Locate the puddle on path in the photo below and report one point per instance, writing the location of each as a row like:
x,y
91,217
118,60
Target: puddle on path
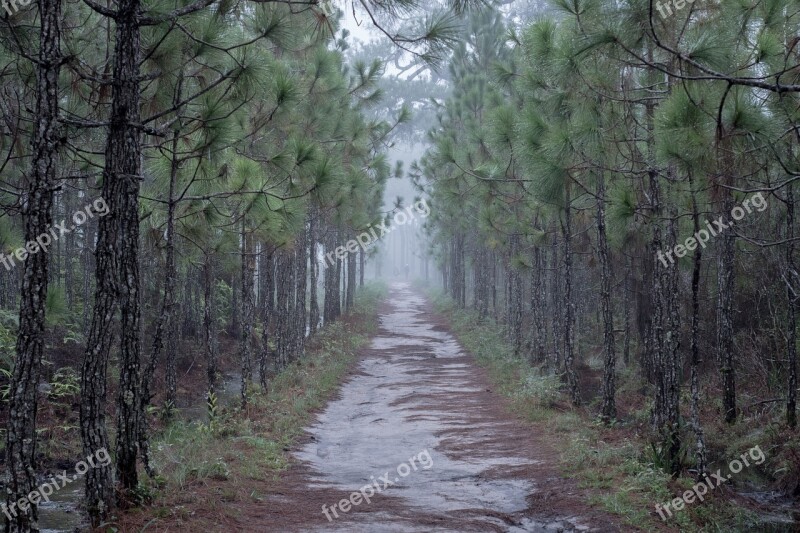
x,y
62,513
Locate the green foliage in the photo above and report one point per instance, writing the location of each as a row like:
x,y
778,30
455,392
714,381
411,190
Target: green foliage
x,y
167,411
212,413
57,312
8,340
188,451
65,383
5,389
223,294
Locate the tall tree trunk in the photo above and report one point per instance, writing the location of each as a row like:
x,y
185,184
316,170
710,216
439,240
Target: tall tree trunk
x,y
626,305
697,428
555,304
538,300
351,280
165,323
290,329
726,286
245,348
267,311
302,288
117,276
481,296
235,319
123,161
69,246
336,303
167,314
609,409
361,266
283,309
569,312
517,292
209,324
38,217
791,279
665,337
331,284
313,317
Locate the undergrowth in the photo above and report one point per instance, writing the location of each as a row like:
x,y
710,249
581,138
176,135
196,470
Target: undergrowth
x,y
615,464
239,445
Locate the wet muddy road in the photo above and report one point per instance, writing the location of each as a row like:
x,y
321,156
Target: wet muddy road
x,y
418,441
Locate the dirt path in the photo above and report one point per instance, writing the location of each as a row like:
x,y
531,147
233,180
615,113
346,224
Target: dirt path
x,y
418,431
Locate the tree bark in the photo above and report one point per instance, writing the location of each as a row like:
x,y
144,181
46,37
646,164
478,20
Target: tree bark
x,y
38,217
313,318
700,444
209,323
791,319
267,299
350,293
117,278
245,348
609,409
123,163
569,312
726,287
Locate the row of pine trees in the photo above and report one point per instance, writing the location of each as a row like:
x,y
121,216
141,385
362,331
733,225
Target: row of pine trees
x,y
233,146
575,149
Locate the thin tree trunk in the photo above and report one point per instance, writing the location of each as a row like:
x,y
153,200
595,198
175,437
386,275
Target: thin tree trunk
x,y
165,323
283,309
361,265
302,289
726,286
626,305
123,161
700,445
314,267
569,314
791,319
555,290
609,409
351,281
337,287
38,216
209,324
267,298
245,349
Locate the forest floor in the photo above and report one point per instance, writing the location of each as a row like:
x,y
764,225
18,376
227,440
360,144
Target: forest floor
x,y
618,464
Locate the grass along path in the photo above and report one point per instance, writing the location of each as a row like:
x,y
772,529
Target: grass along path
x,y
207,471
616,463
